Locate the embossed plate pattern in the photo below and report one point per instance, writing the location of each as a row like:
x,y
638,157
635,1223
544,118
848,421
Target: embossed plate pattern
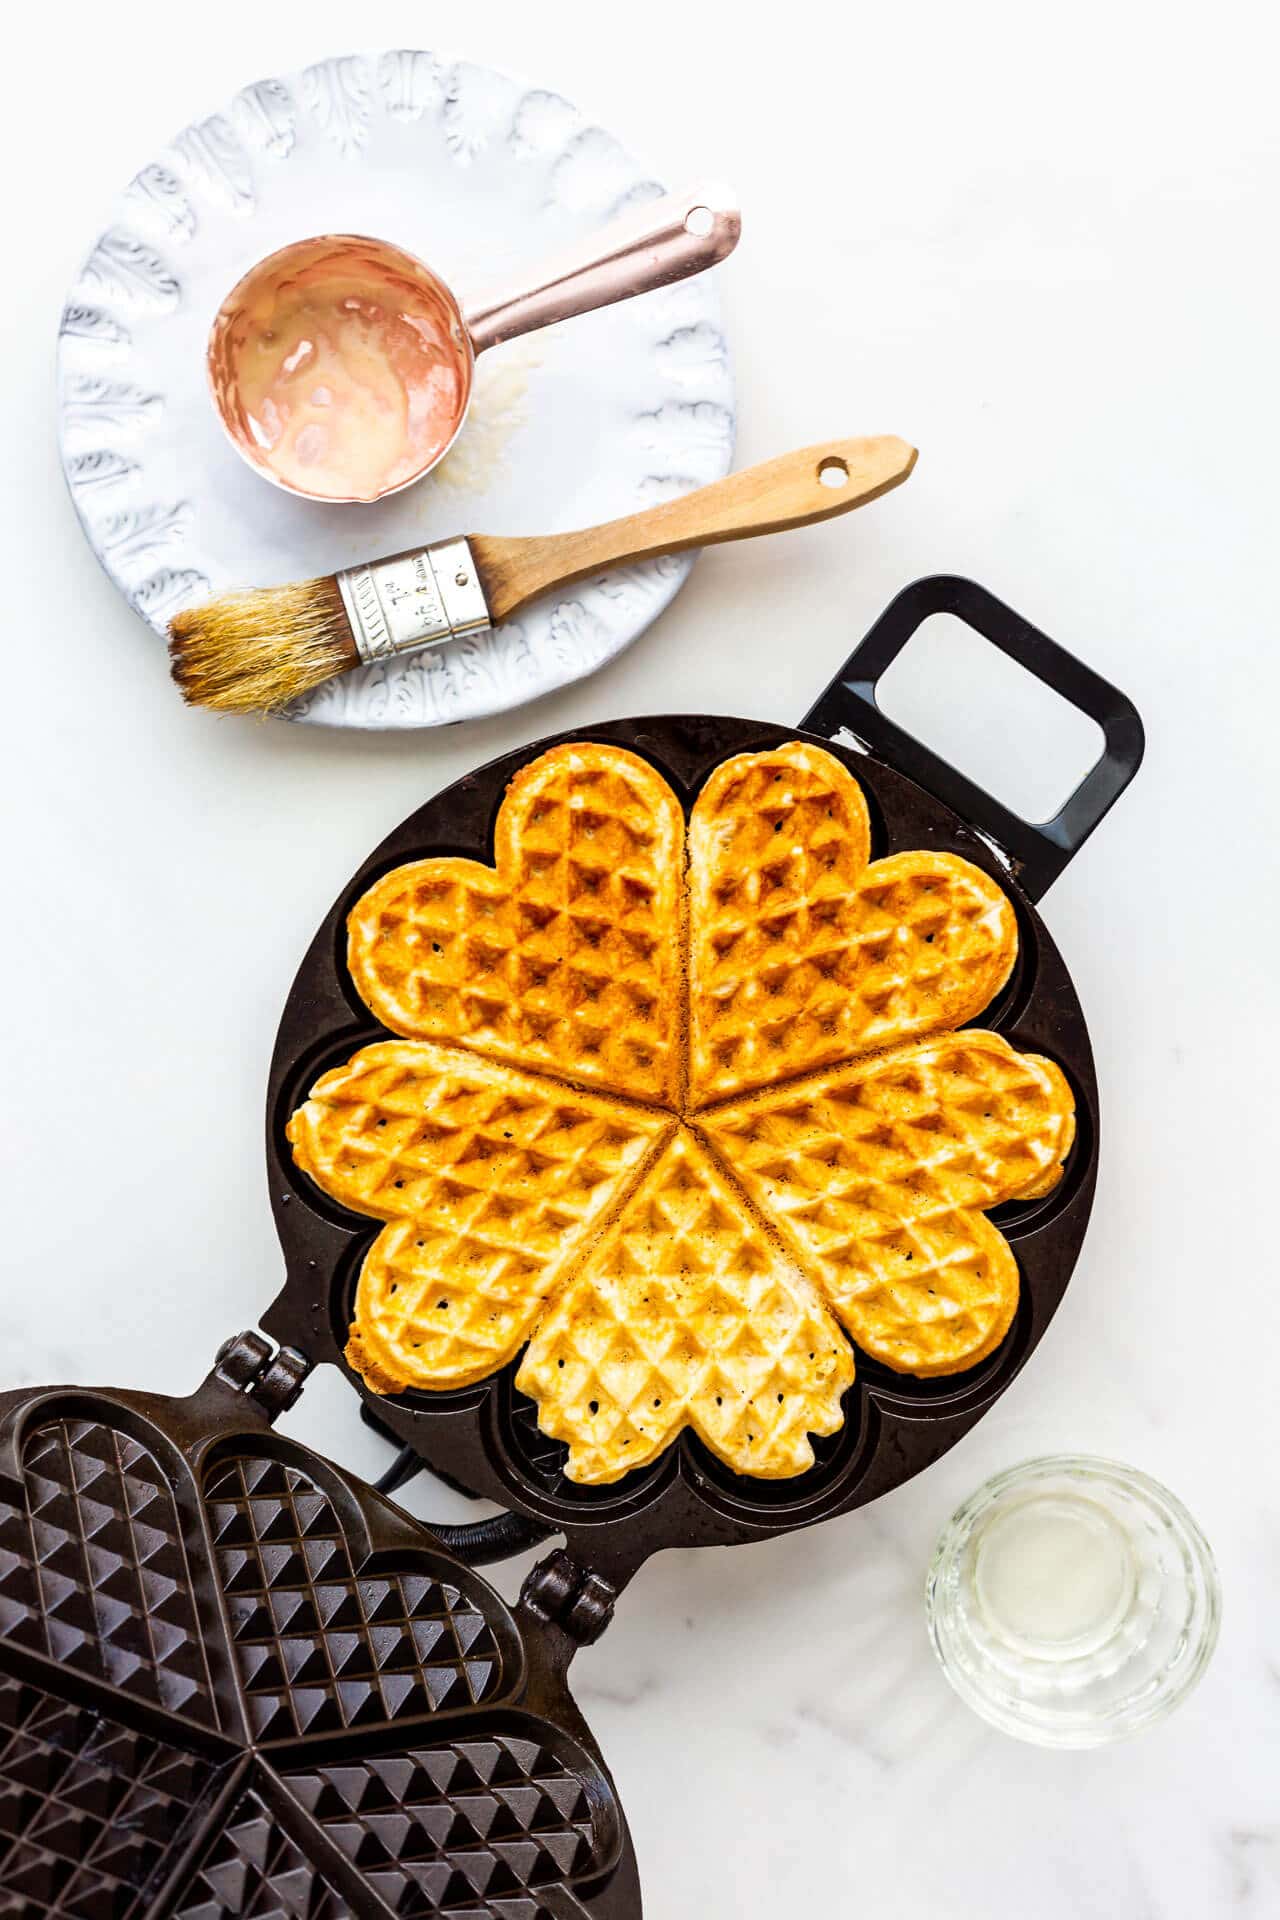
x,y
474,172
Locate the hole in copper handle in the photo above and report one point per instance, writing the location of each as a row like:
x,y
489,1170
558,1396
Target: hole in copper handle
x,y
699,221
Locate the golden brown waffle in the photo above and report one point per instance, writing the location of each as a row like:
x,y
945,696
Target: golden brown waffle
x,y
490,1181
876,1174
687,1315
677,1264
563,956
800,953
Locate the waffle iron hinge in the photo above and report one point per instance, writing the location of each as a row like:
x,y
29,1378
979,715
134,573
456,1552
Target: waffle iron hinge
x,y
569,1596
272,1376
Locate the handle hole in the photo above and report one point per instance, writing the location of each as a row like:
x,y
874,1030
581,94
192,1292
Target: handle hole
x,y
985,714
699,221
833,471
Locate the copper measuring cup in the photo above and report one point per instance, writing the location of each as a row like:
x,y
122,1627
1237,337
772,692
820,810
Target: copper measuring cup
x,y
649,246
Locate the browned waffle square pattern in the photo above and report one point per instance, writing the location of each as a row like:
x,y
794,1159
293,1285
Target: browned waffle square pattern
x,y
799,958
563,955
490,1179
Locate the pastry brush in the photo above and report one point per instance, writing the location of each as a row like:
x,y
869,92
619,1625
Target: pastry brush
x,y
257,651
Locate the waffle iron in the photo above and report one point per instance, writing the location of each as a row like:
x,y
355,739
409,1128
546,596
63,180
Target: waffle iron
x,y
236,1681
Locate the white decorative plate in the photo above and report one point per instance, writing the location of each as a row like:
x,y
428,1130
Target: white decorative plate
x,y
475,172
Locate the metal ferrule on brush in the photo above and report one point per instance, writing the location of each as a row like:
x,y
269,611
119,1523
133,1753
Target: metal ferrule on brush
x,y
414,600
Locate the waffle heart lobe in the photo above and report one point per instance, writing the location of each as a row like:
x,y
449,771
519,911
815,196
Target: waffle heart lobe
x,y
489,1179
322,1643
89,1807
256,1871
564,955
93,1571
687,1315
444,1826
877,1175
803,955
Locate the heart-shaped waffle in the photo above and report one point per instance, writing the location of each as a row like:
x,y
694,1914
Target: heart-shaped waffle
x,y
876,1176
800,953
818,1138
491,1180
687,1315
564,954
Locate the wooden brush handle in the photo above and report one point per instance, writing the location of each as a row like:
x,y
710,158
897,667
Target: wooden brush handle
x,y
787,492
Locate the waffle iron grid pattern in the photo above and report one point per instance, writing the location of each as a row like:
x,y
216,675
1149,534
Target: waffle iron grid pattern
x,y
106,1592
254,1871
116,1804
318,1649
443,1828
88,1807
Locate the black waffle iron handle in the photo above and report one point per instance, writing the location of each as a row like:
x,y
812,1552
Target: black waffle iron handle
x,y
1039,851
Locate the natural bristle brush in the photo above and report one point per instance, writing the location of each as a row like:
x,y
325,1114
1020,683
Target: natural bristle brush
x,y
258,651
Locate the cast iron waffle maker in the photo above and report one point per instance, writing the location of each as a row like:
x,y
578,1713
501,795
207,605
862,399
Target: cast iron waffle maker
x,y
234,1680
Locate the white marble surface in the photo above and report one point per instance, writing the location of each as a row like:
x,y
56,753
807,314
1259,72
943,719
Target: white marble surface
x,y
1040,244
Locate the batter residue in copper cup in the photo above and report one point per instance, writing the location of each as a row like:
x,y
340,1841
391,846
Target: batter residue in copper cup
x,y
340,367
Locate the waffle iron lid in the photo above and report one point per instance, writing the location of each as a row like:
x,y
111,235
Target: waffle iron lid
x,y
485,1439
234,1680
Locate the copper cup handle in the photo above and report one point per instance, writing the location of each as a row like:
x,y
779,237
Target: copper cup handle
x,y
648,246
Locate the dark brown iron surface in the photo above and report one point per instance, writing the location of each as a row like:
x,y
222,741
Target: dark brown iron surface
x,y
236,1681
